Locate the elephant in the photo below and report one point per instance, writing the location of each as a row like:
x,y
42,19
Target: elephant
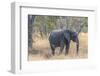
x,y
62,38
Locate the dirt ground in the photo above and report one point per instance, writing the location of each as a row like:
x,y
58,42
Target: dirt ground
x,y
42,51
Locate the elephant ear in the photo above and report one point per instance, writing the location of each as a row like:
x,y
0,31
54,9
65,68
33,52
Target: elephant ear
x,y
67,35
74,36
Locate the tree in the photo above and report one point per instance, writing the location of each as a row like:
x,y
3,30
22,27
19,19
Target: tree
x,y
30,22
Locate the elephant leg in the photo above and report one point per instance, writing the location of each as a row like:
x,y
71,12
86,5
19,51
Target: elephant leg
x,y
67,49
53,50
61,47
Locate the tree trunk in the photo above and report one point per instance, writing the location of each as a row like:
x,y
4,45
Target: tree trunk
x,y
30,22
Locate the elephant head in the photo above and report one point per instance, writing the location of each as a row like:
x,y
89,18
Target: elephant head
x,y
74,38
70,35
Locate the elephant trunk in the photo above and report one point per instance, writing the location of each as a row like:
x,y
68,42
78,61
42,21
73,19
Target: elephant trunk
x,y
77,45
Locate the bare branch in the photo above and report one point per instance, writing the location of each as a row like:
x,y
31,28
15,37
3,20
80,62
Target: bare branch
x,y
81,26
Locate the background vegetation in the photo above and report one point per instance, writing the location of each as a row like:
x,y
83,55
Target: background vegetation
x,y
39,28
45,24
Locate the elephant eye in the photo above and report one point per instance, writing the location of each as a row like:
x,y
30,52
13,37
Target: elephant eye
x,y
75,36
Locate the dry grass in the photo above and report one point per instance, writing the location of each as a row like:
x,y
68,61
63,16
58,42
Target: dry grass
x,y
42,50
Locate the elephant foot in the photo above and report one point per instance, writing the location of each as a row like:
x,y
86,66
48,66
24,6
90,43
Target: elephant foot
x,y
59,53
77,53
66,53
53,53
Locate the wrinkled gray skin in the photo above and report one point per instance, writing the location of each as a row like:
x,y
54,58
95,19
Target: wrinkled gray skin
x,y
62,38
